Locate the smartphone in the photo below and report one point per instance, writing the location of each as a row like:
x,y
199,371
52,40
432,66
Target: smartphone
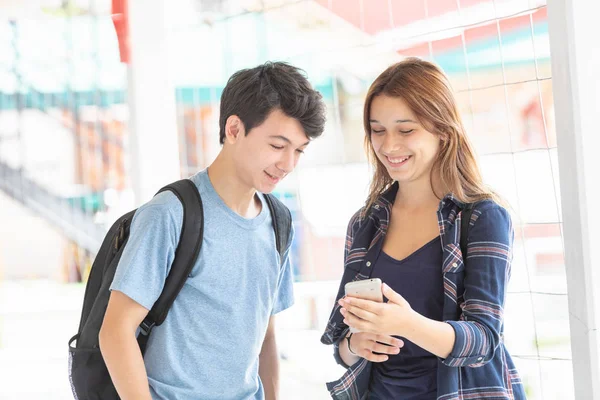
x,y
368,289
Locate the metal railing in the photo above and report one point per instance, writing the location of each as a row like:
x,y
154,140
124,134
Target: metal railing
x,y
74,223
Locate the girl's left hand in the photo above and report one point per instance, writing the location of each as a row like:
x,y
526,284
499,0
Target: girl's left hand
x,y
391,318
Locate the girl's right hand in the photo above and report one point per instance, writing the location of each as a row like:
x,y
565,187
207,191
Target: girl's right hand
x,y
365,345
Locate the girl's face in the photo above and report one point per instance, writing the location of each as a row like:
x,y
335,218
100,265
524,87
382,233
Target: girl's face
x,y
401,143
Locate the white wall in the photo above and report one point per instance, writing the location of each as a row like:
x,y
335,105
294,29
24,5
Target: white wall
x,y
29,247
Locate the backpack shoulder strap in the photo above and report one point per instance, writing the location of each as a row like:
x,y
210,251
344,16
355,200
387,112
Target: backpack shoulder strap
x,y
465,221
186,253
282,223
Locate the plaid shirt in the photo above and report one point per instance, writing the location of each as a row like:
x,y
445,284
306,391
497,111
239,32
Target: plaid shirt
x,y
479,366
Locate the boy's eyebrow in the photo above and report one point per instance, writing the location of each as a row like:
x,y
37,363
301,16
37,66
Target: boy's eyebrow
x,y
287,140
398,121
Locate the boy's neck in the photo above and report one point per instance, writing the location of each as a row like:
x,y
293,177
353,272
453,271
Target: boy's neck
x,y
240,198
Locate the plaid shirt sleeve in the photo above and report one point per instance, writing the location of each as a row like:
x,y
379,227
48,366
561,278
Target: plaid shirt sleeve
x,y
487,271
337,330
353,225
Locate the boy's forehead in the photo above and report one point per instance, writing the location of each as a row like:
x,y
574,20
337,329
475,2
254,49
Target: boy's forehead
x,y
279,126
305,141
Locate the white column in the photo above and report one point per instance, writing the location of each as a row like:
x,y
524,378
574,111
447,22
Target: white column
x,y
151,97
575,52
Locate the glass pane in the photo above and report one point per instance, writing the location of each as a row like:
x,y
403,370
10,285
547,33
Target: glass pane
x,y
539,21
484,55
535,183
517,49
449,54
556,175
377,16
499,171
554,371
547,106
407,12
526,115
490,131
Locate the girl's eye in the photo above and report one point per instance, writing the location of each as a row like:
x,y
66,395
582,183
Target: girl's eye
x,y
407,132
377,132
277,147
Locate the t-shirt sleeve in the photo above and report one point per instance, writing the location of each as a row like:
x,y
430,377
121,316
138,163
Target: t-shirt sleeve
x,y
284,298
150,250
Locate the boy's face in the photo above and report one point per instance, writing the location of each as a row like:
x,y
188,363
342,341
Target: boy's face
x,y
269,152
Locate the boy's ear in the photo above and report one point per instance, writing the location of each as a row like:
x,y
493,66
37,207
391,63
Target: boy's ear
x,y
234,129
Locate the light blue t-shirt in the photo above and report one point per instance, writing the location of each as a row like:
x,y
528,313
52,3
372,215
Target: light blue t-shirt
x,y
209,344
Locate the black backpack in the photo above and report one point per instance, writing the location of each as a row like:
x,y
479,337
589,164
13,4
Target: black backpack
x,y
467,212
88,374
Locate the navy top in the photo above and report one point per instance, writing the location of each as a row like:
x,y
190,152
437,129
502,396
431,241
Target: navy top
x,y
412,374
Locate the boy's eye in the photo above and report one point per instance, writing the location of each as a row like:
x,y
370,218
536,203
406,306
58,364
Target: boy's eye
x,y
300,151
277,147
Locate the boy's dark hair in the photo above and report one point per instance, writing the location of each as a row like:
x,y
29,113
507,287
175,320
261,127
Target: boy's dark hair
x,y
253,93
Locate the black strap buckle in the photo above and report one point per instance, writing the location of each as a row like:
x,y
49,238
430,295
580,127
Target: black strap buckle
x,y
146,326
